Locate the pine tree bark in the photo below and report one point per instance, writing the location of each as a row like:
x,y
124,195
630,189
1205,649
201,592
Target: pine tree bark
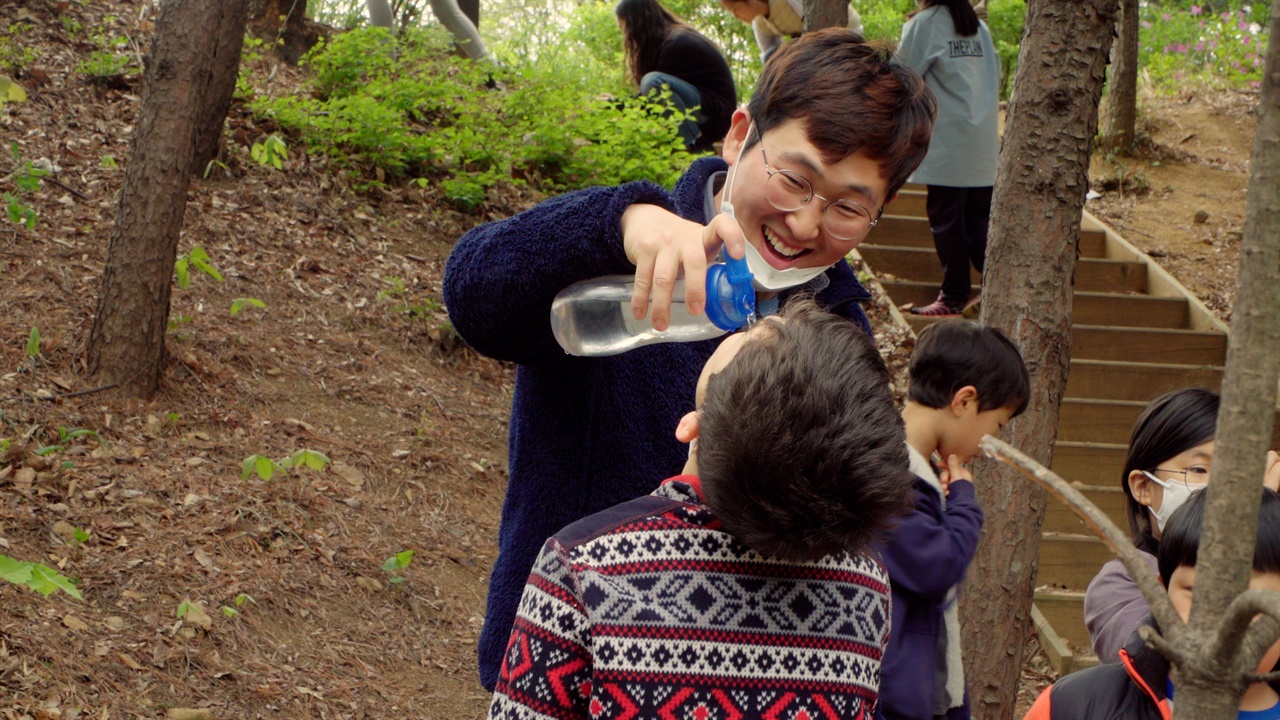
x,y
225,71
126,342
1120,123
820,14
1031,256
1247,416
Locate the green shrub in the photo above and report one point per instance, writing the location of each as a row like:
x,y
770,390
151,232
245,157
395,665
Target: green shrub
x,y
1217,44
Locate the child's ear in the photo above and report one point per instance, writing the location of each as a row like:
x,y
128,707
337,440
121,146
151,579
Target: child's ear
x,y
687,430
963,399
1140,486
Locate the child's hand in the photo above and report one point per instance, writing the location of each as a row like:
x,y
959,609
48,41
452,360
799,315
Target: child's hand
x,y
1272,478
954,471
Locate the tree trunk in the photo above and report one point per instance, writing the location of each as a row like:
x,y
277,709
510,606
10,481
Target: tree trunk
x,y
1031,256
1121,119
380,14
1247,416
820,14
225,70
284,20
126,342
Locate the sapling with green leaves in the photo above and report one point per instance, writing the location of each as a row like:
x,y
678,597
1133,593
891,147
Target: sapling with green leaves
x,y
197,258
240,600
33,343
271,151
267,468
239,303
396,564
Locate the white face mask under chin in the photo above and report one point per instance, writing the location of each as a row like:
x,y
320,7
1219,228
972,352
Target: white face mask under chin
x,y
1175,496
765,277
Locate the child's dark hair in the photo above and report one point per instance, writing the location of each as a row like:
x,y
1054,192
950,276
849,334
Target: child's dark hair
x,y
951,354
963,16
1171,425
1181,541
850,96
801,449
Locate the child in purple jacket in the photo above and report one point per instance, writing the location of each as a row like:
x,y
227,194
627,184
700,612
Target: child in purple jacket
x,y
967,381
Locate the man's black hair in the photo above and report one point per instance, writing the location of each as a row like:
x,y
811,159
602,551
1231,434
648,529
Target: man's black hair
x,y
1172,424
951,354
801,449
1181,541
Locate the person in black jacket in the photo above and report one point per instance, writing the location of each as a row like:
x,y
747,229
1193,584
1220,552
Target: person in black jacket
x,y
1142,685
665,54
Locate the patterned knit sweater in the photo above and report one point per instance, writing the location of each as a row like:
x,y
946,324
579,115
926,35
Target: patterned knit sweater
x,y
650,610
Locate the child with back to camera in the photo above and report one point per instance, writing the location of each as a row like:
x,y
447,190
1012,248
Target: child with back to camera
x,y
967,380
1141,685
740,588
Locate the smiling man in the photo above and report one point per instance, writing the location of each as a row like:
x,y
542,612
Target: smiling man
x,y
830,135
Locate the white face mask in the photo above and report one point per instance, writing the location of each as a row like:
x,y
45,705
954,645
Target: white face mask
x,y
765,277
1176,494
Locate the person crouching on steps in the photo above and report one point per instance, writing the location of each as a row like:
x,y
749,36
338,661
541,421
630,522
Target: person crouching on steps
x,y
742,587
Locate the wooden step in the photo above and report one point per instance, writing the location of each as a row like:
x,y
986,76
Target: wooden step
x,y
921,264
1070,561
1094,464
1088,308
899,230
1109,380
1109,421
909,203
1150,345
1064,611
1059,518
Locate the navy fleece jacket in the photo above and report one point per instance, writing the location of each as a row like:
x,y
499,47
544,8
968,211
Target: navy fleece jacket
x,y
585,433
926,556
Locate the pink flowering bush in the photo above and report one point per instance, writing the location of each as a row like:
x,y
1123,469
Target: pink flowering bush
x,y
1202,42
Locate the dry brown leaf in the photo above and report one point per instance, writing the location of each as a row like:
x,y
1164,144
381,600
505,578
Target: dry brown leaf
x,y
75,623
354,477
190,714
203,558
128,660
65,530
197,616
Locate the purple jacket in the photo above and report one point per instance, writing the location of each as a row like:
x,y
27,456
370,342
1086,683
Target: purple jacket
x,y
927,555
585,433
1114,608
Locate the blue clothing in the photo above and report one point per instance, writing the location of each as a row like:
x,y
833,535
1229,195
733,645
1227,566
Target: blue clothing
x,y
585,433
683,96
927,555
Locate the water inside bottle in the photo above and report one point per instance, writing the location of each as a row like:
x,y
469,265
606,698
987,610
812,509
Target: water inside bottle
x,y
599,322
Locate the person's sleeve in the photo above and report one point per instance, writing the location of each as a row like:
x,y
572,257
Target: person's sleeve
x,y
1041,709
547,666
927,555
844,296
1113,609
766,39
501,277
916,50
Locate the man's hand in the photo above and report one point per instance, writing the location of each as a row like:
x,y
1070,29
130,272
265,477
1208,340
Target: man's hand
x,y
663,245
953,472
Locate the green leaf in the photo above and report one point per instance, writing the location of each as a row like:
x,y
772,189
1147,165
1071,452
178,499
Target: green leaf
x,y
33,342
242,598
249,464
181,267
15,571
47,450
45,580
399,561
238,304
229,612
183,608
11,91
310,458
267,468
81,536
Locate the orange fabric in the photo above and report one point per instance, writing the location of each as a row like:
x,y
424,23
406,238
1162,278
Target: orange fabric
x,y
1040,708
1166,712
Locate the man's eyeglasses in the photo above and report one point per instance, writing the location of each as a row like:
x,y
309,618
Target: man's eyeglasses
x,y
1194,477
789,191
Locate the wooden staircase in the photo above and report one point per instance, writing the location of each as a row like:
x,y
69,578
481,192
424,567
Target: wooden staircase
x,y
1136,333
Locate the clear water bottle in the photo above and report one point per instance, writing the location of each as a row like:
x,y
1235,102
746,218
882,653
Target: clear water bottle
x,y
593,318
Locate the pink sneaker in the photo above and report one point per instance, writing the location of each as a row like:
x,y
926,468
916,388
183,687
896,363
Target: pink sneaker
x,y
937,308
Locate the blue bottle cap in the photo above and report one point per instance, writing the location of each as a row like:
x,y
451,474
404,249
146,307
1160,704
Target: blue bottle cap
x,y
731,298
